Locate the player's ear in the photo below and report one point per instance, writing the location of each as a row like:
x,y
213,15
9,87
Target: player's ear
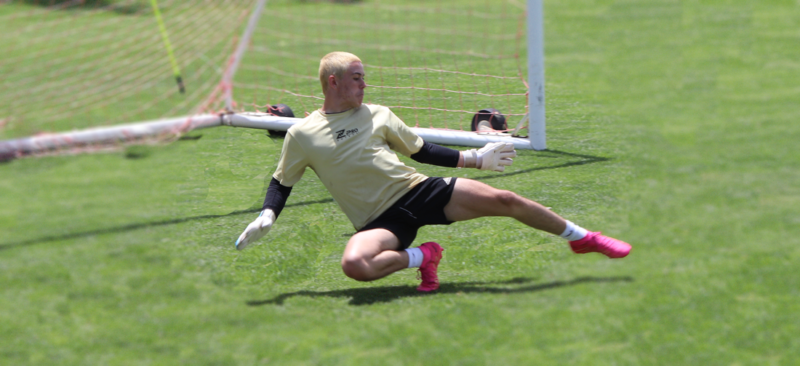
x,y
332,80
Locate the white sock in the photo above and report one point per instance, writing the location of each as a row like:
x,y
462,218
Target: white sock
x,y
414,257
573,232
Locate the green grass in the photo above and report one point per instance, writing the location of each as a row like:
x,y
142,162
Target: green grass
x,y
672,125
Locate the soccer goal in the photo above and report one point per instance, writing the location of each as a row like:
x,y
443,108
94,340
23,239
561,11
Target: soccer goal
x,y
458,72
449,69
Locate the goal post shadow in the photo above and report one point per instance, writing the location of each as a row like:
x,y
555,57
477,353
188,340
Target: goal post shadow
x,y
574,159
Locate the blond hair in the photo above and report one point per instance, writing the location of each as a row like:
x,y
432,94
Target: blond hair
x,y
334,63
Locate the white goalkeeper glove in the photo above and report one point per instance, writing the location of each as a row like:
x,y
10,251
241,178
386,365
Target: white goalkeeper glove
x,y
494,156
258,228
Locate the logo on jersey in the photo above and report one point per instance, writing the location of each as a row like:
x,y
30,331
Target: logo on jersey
x,y
345,134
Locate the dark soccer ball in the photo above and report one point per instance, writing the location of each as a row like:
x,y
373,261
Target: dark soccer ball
x,y
495,119
280,110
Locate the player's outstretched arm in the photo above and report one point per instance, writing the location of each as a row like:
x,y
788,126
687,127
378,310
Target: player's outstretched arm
x,y
437,155
494,156
277,195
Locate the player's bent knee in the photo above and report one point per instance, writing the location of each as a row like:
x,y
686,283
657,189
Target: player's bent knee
x,y
356,268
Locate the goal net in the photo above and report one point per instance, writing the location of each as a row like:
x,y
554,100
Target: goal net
x,y
435,64
86,63
73,64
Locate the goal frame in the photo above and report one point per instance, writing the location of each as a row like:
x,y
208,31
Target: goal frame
x,y
536,139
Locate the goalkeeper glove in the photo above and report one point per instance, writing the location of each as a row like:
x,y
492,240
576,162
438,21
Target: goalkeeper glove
x,y
494,156
258,228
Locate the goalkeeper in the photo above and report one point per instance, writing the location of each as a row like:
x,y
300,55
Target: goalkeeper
x,y
349,146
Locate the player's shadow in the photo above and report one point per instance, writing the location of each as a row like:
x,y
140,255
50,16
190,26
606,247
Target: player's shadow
x,y
385,294
575,160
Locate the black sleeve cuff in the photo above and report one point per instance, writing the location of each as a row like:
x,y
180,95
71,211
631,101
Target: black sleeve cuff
x,y
437,155
277,195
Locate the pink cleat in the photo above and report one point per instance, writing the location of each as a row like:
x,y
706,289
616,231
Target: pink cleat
x,y
595,242
431,255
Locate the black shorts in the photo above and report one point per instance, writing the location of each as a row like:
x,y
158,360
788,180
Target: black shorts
x,y
422,205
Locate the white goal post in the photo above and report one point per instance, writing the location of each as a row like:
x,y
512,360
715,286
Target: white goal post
x,y
266,121
536,121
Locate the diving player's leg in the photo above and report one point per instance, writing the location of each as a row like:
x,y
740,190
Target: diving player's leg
x,y
472,199
372,254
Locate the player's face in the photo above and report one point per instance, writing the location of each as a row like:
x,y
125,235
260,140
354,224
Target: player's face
x,y
352,84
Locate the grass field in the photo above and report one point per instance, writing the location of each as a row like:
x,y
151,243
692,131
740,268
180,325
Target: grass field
x,y
671,125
